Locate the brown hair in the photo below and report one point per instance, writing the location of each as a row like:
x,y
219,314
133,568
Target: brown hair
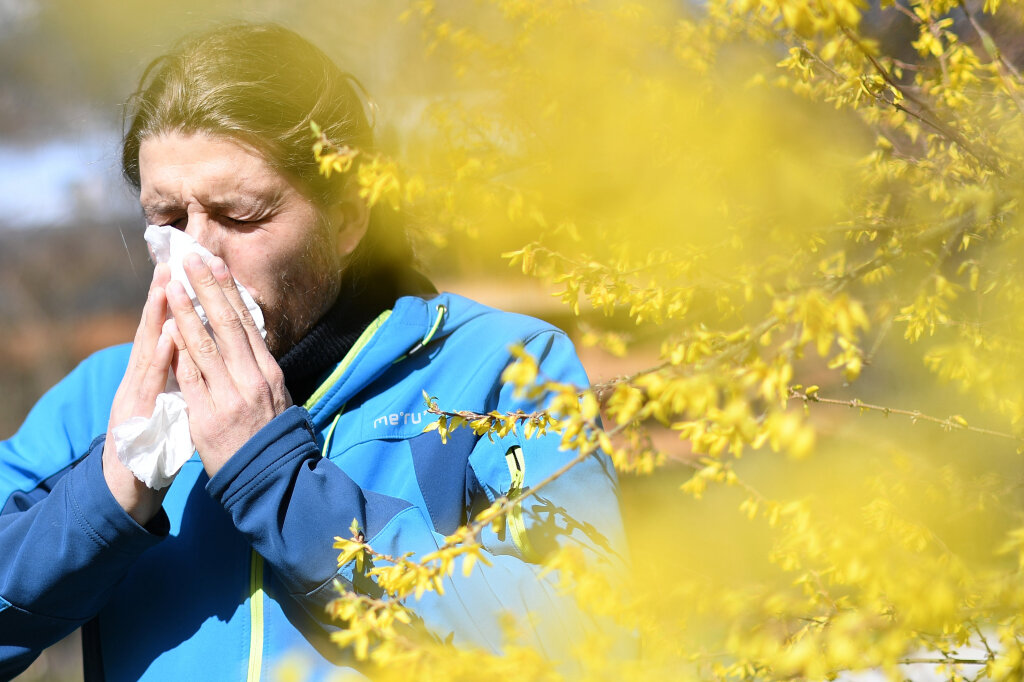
x,y
261,84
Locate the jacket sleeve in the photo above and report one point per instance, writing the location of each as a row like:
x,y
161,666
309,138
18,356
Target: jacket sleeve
x,y
65,541
289,501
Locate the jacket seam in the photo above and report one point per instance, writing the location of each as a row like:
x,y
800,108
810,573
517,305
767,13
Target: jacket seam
x,y
337,574
83,522
35,614
39,480
532,336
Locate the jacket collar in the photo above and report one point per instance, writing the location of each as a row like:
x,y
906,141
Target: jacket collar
x,y
382,346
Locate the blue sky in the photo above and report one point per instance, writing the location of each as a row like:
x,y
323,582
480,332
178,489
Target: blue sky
x,y
55,182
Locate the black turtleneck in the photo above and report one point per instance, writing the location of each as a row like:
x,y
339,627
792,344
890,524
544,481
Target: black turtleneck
x,y
359,303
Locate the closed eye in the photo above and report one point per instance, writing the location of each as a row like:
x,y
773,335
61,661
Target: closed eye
x,y
242,224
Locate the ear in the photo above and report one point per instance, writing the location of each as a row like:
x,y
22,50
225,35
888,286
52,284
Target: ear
x,y
350,217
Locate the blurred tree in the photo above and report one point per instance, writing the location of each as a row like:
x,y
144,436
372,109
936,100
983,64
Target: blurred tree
x,y
793,206
772,209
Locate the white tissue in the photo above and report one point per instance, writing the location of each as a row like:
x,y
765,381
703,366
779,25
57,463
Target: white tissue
x,y
155,448
169,245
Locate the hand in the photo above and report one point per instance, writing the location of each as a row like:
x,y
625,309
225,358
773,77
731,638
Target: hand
x,y
144,379
231,383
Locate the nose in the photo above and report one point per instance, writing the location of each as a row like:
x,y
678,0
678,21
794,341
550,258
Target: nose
x,y
200,227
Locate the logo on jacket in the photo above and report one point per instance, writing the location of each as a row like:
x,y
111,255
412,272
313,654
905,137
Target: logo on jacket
x,y
399,418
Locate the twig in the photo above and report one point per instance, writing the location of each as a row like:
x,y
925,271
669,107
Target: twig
x,y
915,415
603,389
989,43
936,125
947,252
932,120
509,503
984,640
995,54
944,661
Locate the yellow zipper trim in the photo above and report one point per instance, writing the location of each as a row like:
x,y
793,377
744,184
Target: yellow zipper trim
x,y
442,310
358,346
255,617
516,524
256,593
330,433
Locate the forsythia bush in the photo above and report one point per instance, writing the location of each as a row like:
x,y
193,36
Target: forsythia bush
x,y
799,221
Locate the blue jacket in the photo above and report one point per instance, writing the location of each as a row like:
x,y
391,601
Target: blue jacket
x,y
235,575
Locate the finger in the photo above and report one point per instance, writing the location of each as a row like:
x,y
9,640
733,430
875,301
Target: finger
x,y
155,380
161,275
156,312
195,341
234,297
143,346
264,359
225,322
190,379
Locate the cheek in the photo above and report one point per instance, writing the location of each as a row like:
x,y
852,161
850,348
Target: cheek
x,y
244,274
275,271
260,270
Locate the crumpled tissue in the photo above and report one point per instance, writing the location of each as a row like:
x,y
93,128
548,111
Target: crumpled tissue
x,y
154,448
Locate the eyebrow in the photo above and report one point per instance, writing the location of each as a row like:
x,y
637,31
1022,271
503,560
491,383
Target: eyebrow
x,y
248,205
158,207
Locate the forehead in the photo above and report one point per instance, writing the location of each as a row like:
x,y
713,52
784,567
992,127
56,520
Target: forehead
x,y
183,167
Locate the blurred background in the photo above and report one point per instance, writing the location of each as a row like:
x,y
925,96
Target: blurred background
x,y
73,267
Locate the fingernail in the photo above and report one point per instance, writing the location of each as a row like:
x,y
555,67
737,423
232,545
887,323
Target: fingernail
x,y
174,289
218,267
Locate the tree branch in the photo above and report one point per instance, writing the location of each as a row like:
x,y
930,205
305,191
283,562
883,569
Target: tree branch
x,y
949,423
932,119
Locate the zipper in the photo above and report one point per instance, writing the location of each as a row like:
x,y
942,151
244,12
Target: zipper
x,y
256,594
441,311
516,524
255,617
